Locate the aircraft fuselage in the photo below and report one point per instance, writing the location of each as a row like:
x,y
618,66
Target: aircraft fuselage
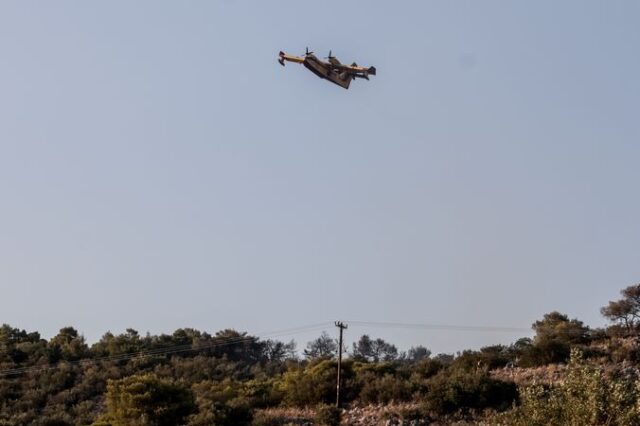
x,y
323,70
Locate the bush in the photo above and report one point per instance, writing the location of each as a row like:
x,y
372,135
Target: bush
x,y
427,368
316,384
624,349
411,413
489,358
383,390
221,414
222,404
264,419
146,398
586,397
260,393
327,415
449,392
281,417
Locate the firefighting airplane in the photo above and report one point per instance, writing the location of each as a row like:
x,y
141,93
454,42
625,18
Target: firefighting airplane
x,y
333,70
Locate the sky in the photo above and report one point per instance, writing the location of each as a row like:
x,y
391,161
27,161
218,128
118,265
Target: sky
x,y
159,169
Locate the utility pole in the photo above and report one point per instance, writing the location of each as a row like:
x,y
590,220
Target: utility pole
x,y
342,327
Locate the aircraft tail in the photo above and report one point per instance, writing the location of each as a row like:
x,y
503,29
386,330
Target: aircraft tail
x,y
372,70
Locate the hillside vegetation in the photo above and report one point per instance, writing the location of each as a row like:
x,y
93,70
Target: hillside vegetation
x,y
568,374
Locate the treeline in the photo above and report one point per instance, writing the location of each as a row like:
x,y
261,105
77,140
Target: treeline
x,y
196,378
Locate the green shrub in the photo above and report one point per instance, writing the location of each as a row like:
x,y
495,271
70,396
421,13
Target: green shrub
x,y
222,404
488,357
383,390
452,391
146,398
586,397
328,415
221,414
316,384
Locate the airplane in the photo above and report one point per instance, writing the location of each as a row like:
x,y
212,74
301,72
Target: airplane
x,y
333,70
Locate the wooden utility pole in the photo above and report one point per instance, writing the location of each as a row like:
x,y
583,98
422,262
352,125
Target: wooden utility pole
x,y
342,327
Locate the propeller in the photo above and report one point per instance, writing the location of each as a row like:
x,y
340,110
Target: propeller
x,y
307,53
330,57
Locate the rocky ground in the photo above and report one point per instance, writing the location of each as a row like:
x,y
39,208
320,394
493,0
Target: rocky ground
x,y
370,415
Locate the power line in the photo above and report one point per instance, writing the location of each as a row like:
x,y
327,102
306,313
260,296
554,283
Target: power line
x,y
442,327
467,328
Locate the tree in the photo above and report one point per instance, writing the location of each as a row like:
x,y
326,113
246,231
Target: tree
x,y
556,325
555,335
277,351
487,358
68,345
237,346
383,351
127,342
376,350
625,312
18,346
147,400
418,353
362,349
322,347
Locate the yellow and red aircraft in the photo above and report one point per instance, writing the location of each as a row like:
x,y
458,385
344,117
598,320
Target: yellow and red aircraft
x,y
333,70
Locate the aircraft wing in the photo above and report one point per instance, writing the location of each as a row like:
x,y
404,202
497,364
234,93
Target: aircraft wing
x,y
291,58
334,61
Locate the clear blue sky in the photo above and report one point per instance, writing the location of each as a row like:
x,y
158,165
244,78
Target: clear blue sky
x,y
159,169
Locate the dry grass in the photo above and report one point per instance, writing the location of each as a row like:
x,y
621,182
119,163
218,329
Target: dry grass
x,y
548,374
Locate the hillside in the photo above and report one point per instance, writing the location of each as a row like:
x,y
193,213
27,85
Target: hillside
x,y
233,378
